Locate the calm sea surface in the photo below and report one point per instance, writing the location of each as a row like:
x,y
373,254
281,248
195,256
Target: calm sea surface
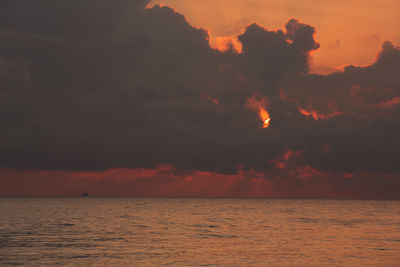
x,y
198,232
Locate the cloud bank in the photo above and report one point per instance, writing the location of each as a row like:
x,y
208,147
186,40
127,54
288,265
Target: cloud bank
x,y
92,86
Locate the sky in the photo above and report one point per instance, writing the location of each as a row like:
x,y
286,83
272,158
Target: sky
x,y
198,98
348,31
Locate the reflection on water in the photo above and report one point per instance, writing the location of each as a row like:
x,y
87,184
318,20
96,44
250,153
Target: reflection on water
x,y
195,232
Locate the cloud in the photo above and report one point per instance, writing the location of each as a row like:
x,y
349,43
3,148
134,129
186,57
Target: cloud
x,y
91,86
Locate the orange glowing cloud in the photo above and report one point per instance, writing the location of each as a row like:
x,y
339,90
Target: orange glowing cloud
x,y
210,98
264,116
389,103
310,112
258,104
283,161
316,115
225,43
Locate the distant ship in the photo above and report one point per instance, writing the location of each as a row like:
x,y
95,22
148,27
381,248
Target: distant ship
x,y
84,195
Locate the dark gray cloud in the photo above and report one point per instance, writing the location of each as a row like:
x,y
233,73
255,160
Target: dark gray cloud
x,y
93,85
363,103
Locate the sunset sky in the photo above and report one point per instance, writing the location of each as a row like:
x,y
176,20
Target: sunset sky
x,y
349,31
238,98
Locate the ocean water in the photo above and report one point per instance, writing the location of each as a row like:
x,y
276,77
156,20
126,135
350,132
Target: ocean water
x,y
198,232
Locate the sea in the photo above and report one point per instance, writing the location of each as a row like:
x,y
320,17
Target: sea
x,y
96,231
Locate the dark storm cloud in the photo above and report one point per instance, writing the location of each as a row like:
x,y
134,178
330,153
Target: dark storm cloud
x,y
93,85
363,103
269,56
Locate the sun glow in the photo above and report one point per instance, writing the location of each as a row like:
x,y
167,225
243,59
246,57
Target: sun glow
x,y
264,115
258,104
